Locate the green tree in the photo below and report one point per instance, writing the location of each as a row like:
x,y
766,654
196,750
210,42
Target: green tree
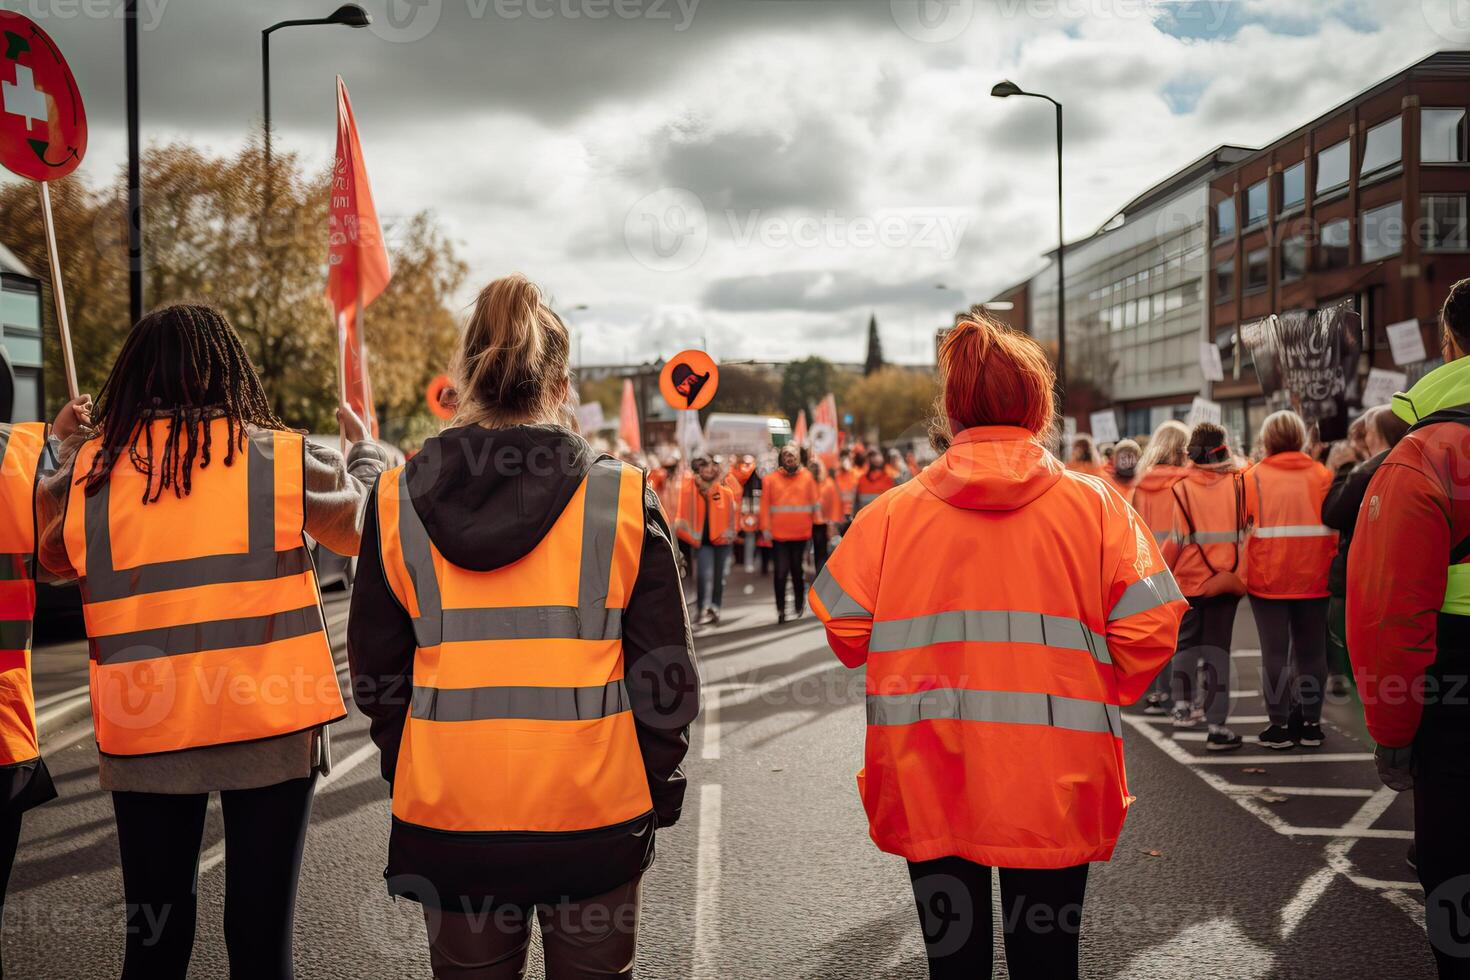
x,y
873,363
892,402
804,383
746,389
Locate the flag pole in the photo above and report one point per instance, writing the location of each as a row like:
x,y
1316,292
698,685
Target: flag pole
x,y
58,293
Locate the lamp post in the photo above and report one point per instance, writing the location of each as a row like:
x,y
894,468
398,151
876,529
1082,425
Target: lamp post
x,y
1004,90
347,15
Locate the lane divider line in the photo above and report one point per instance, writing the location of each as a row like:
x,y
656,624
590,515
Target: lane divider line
x,y
707,886
711,724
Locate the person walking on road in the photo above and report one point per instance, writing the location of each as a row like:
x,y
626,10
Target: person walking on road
x,y
846,479
708,520
790,501
525,590
1161,466
184,515
829,512
1408,626
1084,457
1209,510
874,481
1123,473
1288,553
1005,608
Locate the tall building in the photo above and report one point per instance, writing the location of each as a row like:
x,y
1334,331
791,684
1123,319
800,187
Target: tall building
x,y
22,390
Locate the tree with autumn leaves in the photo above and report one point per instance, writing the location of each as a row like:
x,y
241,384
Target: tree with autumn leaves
x,y
207,239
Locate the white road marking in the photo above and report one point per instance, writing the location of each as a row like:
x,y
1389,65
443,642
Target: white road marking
x,y
711,724
1302,791
1232,720
74,700
707,885
754,692
1360,825
1283,758
1305,900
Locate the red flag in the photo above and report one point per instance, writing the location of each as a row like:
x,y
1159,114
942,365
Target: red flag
x,y
798,435
357,259
628,423
826,416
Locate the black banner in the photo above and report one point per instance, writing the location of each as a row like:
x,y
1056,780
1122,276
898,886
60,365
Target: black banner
x,y
1310,357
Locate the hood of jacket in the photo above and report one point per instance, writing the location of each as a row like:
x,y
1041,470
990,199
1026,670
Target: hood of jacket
x,y
1160,477
992,468
1447,386
487,497
1289,461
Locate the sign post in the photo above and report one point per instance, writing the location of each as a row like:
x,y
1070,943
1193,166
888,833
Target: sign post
x,y
43,137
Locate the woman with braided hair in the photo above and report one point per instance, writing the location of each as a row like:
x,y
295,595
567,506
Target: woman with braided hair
x,y
182,510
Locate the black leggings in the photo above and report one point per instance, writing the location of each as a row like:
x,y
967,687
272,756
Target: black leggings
x,y
9,842
789,556
159,836
819,545
1041,915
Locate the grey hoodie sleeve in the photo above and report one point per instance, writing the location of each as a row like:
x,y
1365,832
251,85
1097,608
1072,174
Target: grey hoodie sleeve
x,y
337,492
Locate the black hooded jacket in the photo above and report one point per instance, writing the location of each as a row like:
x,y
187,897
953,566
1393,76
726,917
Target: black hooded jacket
x,y
487,497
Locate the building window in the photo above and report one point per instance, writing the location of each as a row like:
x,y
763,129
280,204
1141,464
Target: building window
x,y
1294,186
1332,168
1442,136
1382,146
1256,207
1333,245
1225,218
1293,258
1444,222
1225,281
1381,231
1257,269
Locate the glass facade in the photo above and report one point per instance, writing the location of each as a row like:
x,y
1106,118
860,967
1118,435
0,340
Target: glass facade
x,y
1294,186
1444,222
1382,147
1333,244
1256,207
1442,135
1382,231
1332,168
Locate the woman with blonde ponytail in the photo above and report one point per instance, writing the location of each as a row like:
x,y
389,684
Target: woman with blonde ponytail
x,y
524,590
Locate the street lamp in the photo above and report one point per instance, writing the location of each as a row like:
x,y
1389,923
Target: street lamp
x,y
347,15
1004,90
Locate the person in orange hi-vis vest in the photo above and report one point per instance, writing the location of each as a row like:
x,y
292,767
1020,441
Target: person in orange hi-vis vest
x,y
1005,609
1123,473
828,517
708,521
184,517
1161,467
1288,554
874,481
1083,456
25,782
1209,511
789,507
536,616
846,478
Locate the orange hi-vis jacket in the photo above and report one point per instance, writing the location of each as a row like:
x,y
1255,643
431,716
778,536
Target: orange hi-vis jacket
x,y
829,509
789,505
723,505
1209,514
1153,499
847,484
1005,609
1125,488
1288,551
21,446
203,613
520,718
871,486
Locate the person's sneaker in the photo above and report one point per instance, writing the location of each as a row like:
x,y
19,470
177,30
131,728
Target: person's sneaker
x,y
1309,735
1187,717
1223,740
708,616
1294,721
781,618
713,617
1278,738
1157,704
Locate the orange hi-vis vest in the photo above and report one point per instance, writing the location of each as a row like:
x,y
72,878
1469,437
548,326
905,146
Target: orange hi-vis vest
x,y
21,446
847,484
1153,499
723,505
1288,550
995,673
871,486
520,719
203,613
1209,513
830,510
789,505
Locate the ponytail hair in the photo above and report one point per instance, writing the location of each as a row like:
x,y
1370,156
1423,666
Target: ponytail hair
x,y
511,363
993,375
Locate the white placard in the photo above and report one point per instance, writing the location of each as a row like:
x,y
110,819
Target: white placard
x,y
1209,361
1406,341
1069,432
1105,426
1203,410
590,417
1382,385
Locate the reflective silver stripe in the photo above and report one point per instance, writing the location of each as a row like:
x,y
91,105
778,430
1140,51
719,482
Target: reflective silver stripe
x,y
219,634
1294,531
413,541
795,508
261,563
987,626
599,537
1147,593
1163,537
864,499
838,603
520,703
1212,537
524,623
1005,707
15,634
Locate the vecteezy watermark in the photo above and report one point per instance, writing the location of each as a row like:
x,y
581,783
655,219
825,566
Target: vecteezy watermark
x,y
1447,917
1450,19
412,20
932,21
150,12
668,230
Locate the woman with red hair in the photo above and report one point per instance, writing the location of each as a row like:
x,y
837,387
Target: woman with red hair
x,y
1005,609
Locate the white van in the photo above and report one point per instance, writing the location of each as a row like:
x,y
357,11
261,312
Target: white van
x,y
739,435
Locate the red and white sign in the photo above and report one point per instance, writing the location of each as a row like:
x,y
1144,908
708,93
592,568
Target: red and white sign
x,y
43,125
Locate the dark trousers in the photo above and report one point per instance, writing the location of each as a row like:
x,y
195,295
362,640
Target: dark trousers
x,y
1041,916
159,837
1442,848
819,546
1202,662
9,842
591,938
789,555
1293,656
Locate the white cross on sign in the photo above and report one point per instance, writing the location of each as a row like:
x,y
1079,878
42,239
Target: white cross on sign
x,y
23,98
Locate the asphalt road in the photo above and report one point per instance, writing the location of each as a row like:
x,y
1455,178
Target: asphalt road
x,y
1236,868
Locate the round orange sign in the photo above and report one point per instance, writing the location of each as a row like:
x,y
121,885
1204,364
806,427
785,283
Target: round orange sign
x,y
689,380
442,397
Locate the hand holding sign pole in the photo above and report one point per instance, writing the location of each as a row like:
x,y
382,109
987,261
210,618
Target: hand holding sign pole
x,y
43,136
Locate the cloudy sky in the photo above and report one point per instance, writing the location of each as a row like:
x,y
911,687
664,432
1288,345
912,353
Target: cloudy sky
x,y
754,175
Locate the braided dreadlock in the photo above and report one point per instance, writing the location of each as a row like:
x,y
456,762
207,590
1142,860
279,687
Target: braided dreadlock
x,y
184,363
